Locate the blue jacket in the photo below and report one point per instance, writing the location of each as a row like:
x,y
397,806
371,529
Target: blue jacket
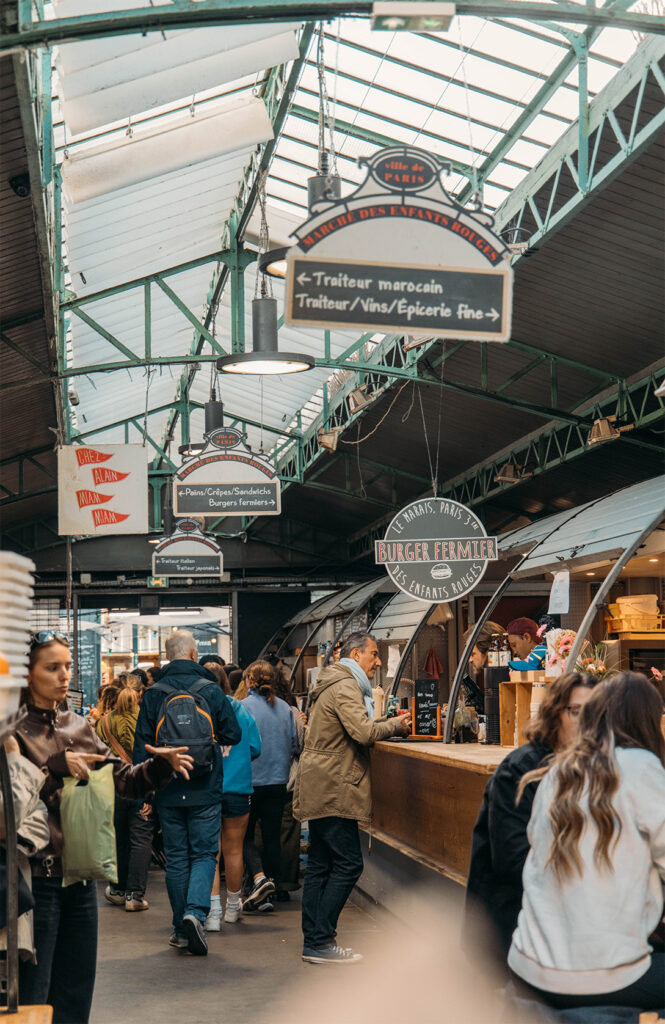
x,y
238,759
204,789
533,663
279,741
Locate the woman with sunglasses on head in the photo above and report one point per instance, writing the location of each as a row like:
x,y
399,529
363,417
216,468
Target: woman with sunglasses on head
x,y
63,744
593,880
500,844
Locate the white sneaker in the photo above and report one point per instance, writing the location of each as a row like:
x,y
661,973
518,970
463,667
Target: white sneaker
x,y
214,920
232,913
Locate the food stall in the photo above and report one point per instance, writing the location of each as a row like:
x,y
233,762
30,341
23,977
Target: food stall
x,y
426,795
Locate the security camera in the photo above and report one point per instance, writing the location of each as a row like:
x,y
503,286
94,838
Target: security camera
x,y
20,184
73,397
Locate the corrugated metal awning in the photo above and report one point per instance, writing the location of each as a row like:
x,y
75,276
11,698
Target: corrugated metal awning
x,y
399,618
601,529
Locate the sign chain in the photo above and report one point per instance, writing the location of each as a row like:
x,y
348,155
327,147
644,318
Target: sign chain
x,y
438,433
472,150
429,454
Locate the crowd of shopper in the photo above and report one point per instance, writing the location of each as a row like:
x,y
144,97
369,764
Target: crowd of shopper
x,y
565,886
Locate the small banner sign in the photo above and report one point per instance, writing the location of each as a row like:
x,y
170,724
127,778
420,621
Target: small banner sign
x,y
187,552
436,550
453,278
122,507
226,479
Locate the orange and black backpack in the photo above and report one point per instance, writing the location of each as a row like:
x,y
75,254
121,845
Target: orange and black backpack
x,y
185,721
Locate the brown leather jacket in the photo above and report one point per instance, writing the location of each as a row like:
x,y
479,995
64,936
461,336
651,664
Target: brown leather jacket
x,y
44,738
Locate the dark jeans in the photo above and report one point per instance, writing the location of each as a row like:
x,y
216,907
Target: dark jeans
x,y
133,841
191,841
647,993
334,865
65,922
266,809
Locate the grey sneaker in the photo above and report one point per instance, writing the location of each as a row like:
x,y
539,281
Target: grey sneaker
x,y
178,941
260,890
196,937
114,896
330,955
134,901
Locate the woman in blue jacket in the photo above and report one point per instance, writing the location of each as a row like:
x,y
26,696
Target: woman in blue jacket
x,y
270,774
236,790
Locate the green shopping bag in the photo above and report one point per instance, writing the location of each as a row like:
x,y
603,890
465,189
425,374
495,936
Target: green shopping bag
x,y
86,812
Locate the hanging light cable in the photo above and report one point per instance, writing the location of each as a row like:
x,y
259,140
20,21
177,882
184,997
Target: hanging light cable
x,y
326,185
264,357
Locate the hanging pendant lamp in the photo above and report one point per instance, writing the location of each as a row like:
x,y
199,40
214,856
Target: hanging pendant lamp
x,y
265,356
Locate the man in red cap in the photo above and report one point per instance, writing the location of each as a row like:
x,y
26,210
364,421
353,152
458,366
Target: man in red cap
x,y
528,652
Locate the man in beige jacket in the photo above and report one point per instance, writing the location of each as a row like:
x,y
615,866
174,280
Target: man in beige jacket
x,y
333,791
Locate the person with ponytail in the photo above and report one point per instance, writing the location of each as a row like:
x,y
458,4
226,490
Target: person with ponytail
x,y
593,879
133,819
270,774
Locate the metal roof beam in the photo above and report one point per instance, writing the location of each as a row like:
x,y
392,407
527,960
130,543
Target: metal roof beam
x,y
277,95
435,75
541,204
378,138
537,453
539,101
183,14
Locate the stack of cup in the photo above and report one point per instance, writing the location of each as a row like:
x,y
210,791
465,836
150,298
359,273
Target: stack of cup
x,y
16,590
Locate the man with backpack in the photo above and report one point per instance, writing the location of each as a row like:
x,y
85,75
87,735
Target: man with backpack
x,y
187,707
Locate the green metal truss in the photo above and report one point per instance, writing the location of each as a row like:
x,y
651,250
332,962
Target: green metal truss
x,y
542,203
184,14
536,454
277,95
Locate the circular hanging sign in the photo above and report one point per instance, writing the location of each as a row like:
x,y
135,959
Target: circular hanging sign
x,y
436,550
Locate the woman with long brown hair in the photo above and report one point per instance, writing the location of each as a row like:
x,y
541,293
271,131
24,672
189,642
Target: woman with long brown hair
x,y
500,845
594,875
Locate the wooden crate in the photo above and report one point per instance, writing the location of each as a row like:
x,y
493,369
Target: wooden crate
x,y
514,705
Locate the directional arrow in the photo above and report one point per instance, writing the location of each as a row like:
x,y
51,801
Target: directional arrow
x,y
493,315
302,278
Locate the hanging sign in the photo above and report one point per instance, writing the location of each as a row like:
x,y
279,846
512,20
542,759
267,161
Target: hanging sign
x,y
442,269
102,489
226,479
436,550
187,552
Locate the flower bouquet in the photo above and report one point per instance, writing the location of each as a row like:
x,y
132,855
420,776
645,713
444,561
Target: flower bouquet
x,y
559,646
593,663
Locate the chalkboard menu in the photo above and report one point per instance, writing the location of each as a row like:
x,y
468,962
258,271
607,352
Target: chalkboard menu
x,y
89,663
426,701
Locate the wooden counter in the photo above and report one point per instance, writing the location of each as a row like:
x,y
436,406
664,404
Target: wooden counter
x,y
426,798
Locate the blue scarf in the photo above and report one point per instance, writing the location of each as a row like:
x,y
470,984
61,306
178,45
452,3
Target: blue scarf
x,y
362,681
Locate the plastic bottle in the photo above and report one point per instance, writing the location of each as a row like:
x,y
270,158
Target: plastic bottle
x,y
505,653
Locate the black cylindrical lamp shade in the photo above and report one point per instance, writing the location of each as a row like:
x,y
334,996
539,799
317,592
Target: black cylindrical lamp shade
x,y
214,415
265,358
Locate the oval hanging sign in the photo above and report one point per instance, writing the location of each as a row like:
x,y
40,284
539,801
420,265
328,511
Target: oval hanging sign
x,y
224,438
401,171
187,526
436,550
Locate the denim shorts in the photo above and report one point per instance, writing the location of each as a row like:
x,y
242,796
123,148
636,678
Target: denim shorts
x,y
234,805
